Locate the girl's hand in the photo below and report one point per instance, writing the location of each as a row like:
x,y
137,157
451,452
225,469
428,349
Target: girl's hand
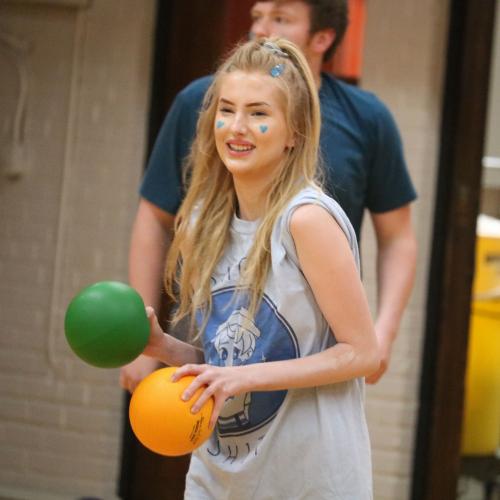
x,y
156,334
220,382
133,373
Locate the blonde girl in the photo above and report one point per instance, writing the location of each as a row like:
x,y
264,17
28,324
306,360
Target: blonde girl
x,y
266,266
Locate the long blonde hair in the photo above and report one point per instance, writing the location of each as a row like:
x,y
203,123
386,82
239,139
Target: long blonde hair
x,y
204,218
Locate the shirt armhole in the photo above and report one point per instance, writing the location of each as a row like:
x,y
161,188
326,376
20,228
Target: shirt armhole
x,y
338,216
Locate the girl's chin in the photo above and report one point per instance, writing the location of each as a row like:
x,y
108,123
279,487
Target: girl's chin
x,y
236,168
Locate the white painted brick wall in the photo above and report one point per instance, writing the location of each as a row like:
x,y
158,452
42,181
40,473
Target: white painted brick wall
x,y
64,224
404,61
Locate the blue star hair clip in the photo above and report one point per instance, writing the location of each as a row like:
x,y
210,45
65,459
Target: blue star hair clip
x,y
277,70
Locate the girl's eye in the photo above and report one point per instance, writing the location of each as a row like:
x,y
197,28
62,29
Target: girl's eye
x,y
259,113
225,110
280,20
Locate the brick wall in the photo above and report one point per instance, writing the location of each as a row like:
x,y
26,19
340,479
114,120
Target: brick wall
x,y
65,223
404,62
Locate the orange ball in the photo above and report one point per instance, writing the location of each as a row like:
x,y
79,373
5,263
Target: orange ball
x,y
163,422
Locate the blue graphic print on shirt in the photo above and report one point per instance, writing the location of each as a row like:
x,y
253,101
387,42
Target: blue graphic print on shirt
x,y
233,338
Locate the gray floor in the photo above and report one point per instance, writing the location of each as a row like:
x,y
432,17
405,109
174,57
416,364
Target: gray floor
x,y
470,489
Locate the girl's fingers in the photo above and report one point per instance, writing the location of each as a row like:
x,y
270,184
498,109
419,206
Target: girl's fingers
x,y
219,402
153,318
189,369
207,382
204,397
191,389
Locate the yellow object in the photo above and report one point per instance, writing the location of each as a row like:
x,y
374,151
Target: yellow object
x,y
162,421
481,425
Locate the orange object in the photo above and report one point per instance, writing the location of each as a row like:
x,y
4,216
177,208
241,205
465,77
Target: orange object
x,y
162,421
348,59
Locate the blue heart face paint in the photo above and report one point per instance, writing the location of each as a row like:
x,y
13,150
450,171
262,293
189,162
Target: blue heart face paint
x,y
219,123
255,135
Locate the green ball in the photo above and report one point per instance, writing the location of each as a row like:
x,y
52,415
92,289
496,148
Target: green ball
x,y
106,324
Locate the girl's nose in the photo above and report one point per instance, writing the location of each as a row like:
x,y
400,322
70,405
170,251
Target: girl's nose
x,y
238,125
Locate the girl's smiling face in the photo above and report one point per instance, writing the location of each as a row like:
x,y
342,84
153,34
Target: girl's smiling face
x,y
250,127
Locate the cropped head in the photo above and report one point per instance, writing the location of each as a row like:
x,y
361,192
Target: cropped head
x,y
316,26
260,118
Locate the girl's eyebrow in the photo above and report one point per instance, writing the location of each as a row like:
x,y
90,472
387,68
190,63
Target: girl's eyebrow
x,y
250,104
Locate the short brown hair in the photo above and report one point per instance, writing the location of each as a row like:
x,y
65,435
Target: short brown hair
x,y
327,14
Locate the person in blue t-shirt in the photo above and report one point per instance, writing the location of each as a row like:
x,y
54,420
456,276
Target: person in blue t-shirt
x,y
362,157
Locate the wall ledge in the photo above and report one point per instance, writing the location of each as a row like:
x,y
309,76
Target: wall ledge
x,y
72,4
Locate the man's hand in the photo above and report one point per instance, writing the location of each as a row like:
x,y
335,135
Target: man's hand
x,y
134,372
385,348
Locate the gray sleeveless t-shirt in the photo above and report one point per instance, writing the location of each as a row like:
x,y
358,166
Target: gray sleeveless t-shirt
x,y
297,444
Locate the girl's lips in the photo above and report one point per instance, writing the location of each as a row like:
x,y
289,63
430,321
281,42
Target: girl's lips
x,y
239,148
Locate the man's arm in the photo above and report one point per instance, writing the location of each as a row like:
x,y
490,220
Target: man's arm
x,y
396,262
149,243
162,186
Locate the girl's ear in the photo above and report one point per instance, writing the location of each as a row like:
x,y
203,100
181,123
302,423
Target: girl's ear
x,y
291,141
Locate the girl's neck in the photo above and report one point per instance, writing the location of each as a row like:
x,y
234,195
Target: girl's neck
x,y
251,199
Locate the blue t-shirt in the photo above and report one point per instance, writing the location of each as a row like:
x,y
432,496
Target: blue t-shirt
x,y
360,147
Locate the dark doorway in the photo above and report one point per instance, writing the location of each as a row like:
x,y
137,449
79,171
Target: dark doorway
x,y
190,37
